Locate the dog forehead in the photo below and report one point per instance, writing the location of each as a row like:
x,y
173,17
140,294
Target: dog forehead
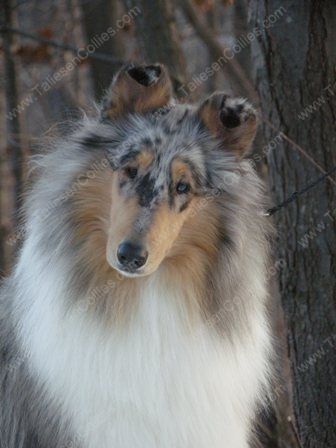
x,y
153,144
160,131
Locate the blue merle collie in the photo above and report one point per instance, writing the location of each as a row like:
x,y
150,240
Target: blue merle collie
x,y
136,314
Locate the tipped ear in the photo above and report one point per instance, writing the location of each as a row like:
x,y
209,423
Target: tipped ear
x,y
137,88
232,120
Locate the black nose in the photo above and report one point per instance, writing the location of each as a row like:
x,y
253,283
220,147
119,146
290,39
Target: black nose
x,y
131,256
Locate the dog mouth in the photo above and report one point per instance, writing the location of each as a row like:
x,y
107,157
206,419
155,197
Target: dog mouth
x,y
131,271
128,271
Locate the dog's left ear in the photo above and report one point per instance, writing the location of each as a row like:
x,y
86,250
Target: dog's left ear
x,y
137,88
233,121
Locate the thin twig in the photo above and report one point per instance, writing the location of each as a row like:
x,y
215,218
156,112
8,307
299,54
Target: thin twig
x,y
298,193
299,148
52,43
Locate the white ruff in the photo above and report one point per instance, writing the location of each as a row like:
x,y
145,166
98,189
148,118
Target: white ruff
x,y
153,384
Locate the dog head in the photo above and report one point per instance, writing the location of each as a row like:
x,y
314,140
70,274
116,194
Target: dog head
x,y
167,165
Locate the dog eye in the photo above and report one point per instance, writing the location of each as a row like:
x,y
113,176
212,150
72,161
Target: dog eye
x,y
131,172
182,188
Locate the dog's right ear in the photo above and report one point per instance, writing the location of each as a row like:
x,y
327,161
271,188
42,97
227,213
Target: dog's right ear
x,y
233,121
137,88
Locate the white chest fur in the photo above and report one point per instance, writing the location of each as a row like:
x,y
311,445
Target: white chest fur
x,y
157,383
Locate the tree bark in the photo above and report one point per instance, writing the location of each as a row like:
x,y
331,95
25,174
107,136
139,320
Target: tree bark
x,y
158,37
98,16
294,60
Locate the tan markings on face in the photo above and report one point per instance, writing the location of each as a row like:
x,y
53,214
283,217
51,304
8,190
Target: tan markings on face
x,y
160,226
141,162
91,203
187,241
123,214
124,210
199,233
144,159
181,172
164,228
194,253
91,207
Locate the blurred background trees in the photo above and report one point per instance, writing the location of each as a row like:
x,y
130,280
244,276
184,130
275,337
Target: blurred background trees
x,y
56,57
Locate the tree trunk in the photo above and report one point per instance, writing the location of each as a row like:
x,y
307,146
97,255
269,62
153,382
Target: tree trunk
x,y
98,16
12,115
294,60
158,37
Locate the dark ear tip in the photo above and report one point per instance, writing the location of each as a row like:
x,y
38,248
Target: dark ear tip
x,y
230,118
145,75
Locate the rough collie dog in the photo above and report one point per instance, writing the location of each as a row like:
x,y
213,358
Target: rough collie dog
x,y
136,313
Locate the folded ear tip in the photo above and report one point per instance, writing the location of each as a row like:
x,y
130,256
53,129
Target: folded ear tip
x,y
229,118
146,75
235,111
232,120
138,88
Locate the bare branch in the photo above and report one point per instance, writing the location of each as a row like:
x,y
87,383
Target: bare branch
x,y
53,43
